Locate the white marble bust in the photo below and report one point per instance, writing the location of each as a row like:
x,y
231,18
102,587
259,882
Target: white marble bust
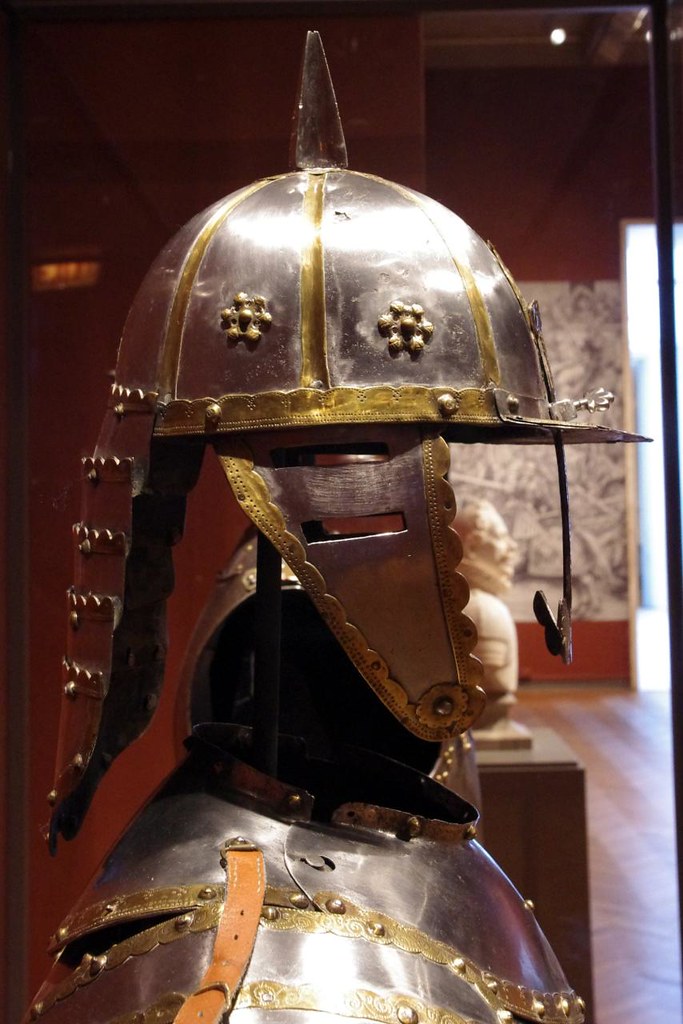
x,y
489,559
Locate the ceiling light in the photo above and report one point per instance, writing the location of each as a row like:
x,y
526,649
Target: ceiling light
x,y
558,36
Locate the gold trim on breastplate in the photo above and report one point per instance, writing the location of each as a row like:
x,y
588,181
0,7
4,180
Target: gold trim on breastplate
x,y
289,910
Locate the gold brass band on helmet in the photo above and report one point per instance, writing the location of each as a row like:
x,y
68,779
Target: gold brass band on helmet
x,y
480,314
437,715
413,403
169,363
314,366
313,407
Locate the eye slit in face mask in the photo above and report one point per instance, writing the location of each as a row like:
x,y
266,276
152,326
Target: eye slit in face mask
x,y
353,527
330,454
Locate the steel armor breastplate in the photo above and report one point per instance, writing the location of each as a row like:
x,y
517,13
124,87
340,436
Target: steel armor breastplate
x,y
372,912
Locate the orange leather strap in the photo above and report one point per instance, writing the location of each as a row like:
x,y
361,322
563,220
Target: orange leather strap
x,y
235,937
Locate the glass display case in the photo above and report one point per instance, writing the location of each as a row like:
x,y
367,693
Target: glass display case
x,y
125,119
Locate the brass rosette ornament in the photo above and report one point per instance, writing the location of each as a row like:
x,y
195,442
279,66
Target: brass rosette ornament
x,y
328,333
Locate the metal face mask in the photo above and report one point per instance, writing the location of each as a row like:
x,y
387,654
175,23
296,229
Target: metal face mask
x,y
327,332
363,520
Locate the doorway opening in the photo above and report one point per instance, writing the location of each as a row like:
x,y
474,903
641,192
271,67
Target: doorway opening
x,y
651,620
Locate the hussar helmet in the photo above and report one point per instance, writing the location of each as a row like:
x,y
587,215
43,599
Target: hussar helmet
x,y
327,333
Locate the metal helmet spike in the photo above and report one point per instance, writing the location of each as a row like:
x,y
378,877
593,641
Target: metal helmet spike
x,y
317,133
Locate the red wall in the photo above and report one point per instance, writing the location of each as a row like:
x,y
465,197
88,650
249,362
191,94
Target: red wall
x,y
545,162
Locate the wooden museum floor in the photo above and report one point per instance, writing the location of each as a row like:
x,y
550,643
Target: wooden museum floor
x,y
623,740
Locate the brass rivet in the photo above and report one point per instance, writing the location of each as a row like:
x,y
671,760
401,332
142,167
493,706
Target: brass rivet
x,y
239,843
529,905
62,932
119,409
36,1011
294,801
97,964
213,412
564,1005
73,620
492,985
298,900
182,924
85,547
443,707
538,1007
52,797
71,690
448,404
270,913
77,762
92,475
407,1015
414,826
470,832
513,403
504,1016
110,908
581,1003
336,906
207,893
459,965
377,929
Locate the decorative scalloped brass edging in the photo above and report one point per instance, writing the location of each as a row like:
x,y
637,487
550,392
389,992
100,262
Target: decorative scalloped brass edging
x,y
251,491
198,920
371,926
313,407
80,681
480,314
99,542
108,468
354,1003
164,1011
146,903
463,701
99,607
402,824
125,400
200,908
